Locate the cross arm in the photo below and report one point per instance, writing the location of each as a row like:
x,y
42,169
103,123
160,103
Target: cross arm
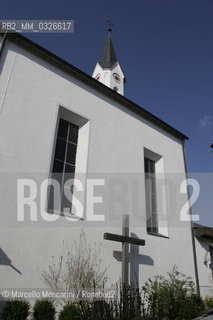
x,y
120,238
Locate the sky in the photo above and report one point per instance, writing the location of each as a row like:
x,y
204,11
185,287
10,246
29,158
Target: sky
x,y
165,48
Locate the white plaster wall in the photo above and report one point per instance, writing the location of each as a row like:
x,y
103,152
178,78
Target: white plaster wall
x,y
30,96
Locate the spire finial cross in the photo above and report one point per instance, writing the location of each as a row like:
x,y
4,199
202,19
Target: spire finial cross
x,y
110,24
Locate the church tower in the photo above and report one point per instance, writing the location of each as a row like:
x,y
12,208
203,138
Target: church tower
x,y
108,70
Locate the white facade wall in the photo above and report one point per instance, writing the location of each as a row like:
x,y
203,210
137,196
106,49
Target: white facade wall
x,y
31,91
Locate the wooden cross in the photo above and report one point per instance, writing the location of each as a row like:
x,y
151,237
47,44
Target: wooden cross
x,y
125,239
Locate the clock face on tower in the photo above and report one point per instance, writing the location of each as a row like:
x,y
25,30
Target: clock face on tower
x,y
97,77
116,77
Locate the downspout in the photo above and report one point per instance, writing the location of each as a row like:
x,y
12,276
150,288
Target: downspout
x,y
192,228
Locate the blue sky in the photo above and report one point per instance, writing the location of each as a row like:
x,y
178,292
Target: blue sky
x,y
165,48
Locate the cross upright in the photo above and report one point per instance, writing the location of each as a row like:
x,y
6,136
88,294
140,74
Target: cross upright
x,y
126,240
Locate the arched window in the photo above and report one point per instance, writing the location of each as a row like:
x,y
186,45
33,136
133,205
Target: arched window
x,y
115,88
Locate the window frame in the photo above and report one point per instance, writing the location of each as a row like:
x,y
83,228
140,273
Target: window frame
x,y
151,196
81,157
160,229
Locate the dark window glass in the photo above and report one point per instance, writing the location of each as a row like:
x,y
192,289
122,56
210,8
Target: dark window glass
x,y
211,256
60,149
211,259
58,166
63,129
151,166
69,168
73,133
66,201
64,160
69,171
54,199
146,163
151,195
71,153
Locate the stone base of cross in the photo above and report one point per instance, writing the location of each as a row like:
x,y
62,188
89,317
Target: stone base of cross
x,y
125,240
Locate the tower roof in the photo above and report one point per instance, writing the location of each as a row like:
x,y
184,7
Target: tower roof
x,y
108,58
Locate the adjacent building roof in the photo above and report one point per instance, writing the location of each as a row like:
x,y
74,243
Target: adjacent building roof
x,y
108,58
85,78
201,231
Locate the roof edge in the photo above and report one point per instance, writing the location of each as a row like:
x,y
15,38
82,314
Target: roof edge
x,y
202,231
84,77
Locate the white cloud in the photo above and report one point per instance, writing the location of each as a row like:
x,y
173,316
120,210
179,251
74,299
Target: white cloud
x,y
206,122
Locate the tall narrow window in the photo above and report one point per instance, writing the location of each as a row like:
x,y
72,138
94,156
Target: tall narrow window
x,y
64,160
211,258
151,195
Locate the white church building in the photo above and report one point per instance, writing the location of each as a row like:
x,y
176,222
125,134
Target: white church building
x,y
57,120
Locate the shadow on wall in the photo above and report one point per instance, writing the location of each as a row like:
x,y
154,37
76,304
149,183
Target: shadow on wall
x,y
135,260
5,261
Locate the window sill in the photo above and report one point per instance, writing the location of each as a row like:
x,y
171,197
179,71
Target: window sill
x,y
65,214
157,234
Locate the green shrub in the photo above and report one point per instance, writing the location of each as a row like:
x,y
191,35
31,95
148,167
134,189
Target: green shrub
x,y
209,302
15,310
192,306
69,312
43,310
172,297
